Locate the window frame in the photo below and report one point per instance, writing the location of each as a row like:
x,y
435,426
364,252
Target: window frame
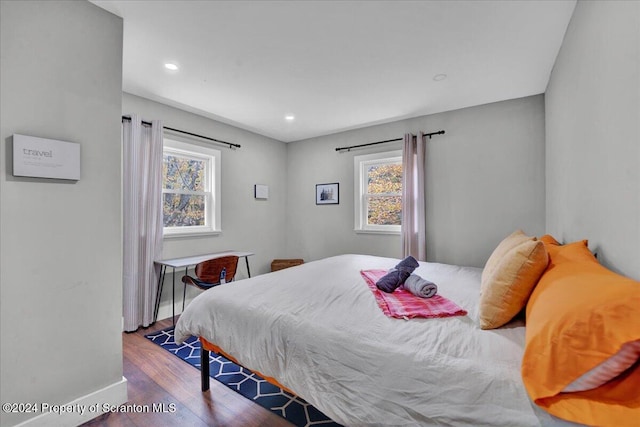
x,y
360,191
213,223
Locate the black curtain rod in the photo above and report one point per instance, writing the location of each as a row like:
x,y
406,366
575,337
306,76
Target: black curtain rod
x,y
230,144
440,132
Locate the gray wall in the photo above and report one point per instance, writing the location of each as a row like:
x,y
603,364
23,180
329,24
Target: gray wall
x,y
593,134
484,179
60,257
248,224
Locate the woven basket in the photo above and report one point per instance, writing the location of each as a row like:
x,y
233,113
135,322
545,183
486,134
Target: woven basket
x,y
279,264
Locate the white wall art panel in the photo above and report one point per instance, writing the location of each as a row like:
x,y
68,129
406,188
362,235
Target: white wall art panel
x,y
45,158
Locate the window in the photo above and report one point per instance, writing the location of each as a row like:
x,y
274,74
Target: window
x,y
190,189
378,192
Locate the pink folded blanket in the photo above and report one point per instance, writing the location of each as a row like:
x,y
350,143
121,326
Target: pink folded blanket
x,y
403,304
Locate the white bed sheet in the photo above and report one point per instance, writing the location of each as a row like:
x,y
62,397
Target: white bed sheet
x,y
317,329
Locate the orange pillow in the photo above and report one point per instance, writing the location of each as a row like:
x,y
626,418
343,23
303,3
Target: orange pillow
x,y
578,316
628,355
548,239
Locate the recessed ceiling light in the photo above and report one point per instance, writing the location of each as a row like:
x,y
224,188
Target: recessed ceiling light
x,y
289,117
171,66
439,77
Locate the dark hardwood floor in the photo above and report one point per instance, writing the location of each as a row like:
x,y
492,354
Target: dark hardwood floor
x,y
157,377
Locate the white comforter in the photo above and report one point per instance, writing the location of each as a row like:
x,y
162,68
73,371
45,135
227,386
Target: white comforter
x,y
318,330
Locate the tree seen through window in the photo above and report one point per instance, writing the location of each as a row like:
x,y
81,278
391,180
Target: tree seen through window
x,y
384,194
184,191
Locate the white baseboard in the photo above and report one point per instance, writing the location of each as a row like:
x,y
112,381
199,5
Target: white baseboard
x,y
165,312
83,409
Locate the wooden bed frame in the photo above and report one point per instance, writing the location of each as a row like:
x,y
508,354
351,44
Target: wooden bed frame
x,y
206,348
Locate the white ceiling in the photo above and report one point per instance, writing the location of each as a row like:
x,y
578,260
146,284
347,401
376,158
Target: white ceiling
x,y
336,65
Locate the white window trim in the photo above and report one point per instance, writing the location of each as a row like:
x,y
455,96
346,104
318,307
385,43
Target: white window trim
x,y
214,218
360,164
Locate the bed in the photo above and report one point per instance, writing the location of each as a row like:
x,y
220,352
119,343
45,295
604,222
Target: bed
x,y
317,330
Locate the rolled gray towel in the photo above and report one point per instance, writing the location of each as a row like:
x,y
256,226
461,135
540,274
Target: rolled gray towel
x,y
420,287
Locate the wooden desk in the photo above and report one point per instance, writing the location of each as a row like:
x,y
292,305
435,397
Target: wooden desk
x,y
186,262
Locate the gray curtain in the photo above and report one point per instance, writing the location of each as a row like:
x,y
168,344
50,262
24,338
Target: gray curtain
x,y
142,217
414,239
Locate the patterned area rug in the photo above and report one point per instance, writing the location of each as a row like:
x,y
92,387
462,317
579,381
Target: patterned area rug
x,y
238,378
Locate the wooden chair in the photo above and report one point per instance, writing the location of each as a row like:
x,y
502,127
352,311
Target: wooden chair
x,y
209,274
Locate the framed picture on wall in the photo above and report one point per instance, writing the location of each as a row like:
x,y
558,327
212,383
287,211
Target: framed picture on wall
x,y
328,194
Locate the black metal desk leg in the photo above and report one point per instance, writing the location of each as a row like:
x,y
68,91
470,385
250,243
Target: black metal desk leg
x,y
163,269
173,297
184,288
247,261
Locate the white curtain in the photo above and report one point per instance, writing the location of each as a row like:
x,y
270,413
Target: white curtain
x,y
142,205
414,239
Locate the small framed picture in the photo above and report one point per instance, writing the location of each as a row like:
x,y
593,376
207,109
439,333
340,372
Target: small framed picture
x,y
261,191
328,194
